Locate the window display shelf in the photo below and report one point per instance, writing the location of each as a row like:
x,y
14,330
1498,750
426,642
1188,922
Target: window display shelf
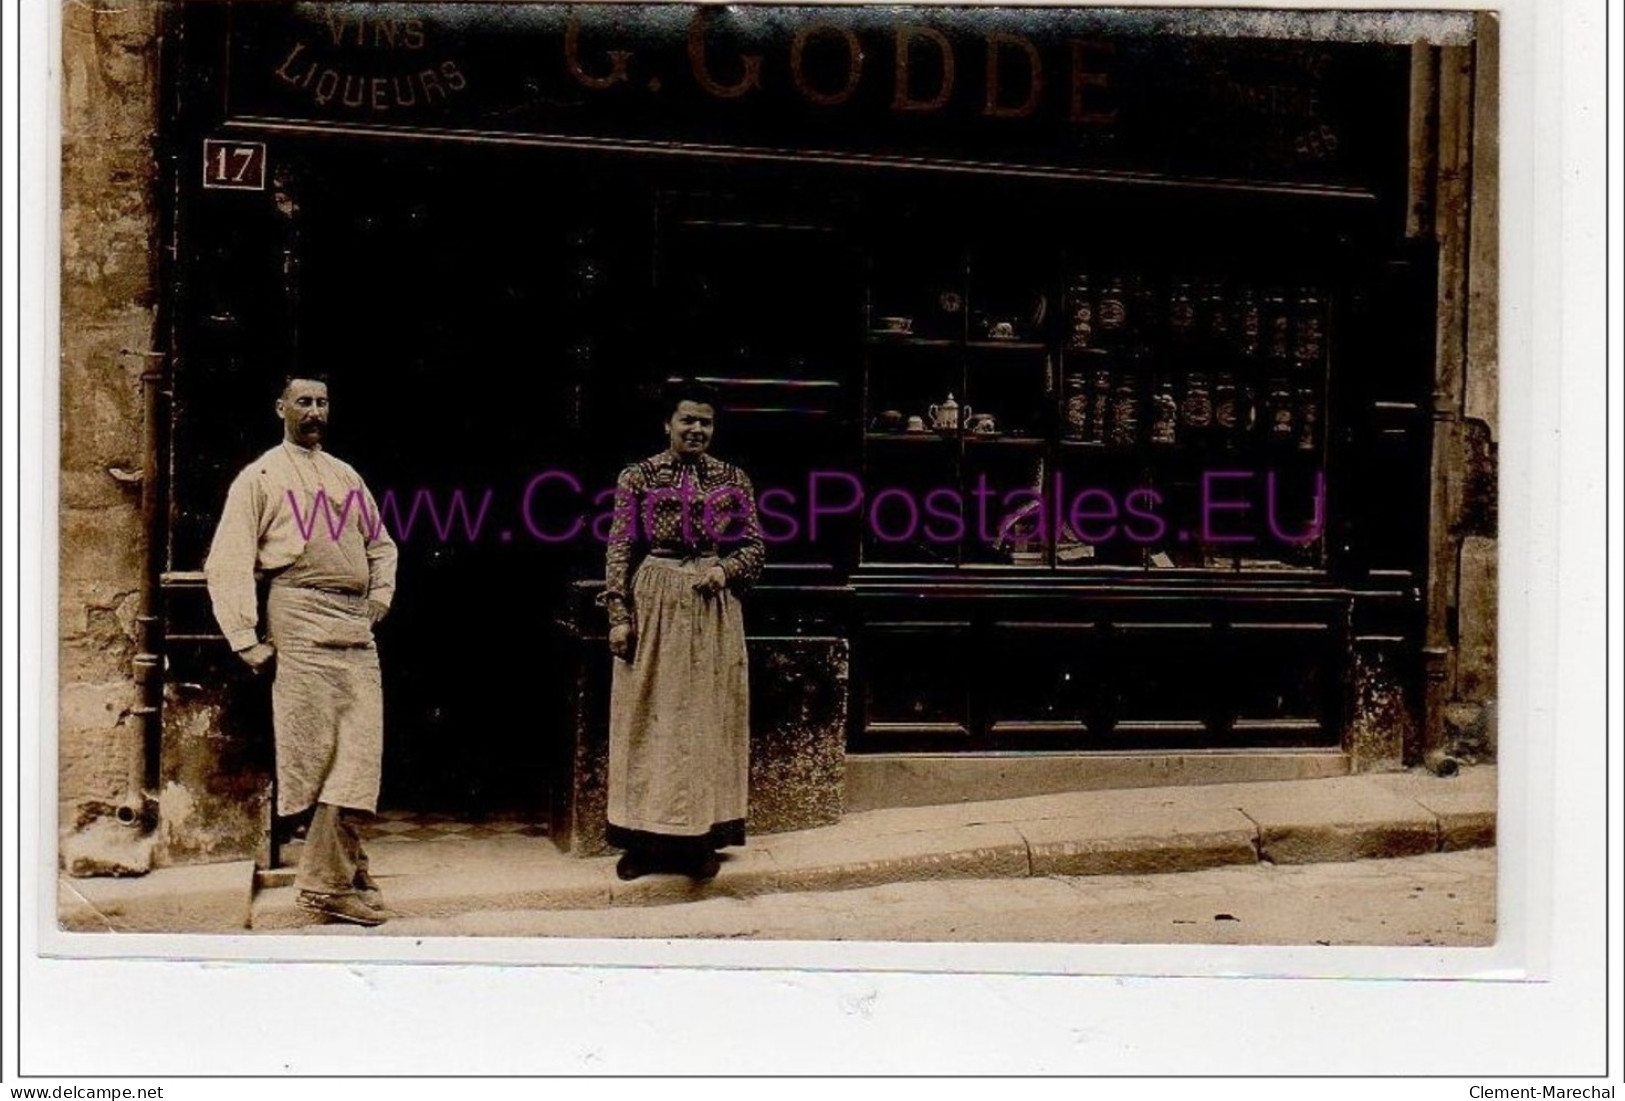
x,y
1107,433
895,340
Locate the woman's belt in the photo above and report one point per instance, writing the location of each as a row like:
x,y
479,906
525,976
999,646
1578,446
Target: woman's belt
x,y
673,555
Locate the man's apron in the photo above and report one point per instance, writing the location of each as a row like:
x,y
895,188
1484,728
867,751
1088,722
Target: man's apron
x,y
327,702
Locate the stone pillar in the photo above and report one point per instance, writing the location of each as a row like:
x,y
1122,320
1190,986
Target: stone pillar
x,y
109,246
798,733
216,762
1460,650
1451,220
1382,722
1470,722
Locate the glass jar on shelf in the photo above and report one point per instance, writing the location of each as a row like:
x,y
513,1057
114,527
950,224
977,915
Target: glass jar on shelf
x,y
1075,421
1081,312
1164,431
1125,415
1227,414
1099,404
1249,326
1308,418
1196,411
1277,319
1215,317
1111,310
1181,310
1309,330
1279,410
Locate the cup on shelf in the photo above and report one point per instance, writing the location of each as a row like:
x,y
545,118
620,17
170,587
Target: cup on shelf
x,y
897,326
889,420
916,423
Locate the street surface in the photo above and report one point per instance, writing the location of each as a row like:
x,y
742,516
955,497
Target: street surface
x,y
1438,899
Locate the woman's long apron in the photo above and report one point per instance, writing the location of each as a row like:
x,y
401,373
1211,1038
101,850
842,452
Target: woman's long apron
x,y
679,723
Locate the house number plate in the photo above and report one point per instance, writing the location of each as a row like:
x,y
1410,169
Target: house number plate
x,y
236,165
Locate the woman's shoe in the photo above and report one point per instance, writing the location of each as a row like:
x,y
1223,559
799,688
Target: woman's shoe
x,y
706,868
632,865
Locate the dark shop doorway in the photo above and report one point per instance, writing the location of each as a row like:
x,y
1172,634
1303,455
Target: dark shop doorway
x,y
438,290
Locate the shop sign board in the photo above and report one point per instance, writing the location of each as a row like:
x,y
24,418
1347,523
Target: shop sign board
x,y
1070,90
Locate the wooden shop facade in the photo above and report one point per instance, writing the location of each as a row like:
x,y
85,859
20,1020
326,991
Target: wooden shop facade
x,y
1087,363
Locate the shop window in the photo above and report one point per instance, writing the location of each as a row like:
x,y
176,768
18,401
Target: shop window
x,y
1091,407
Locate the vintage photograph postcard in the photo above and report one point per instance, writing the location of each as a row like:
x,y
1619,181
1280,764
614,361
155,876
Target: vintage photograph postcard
x,y
802,473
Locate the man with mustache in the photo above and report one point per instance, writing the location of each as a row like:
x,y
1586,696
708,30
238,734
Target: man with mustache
x,y
305,521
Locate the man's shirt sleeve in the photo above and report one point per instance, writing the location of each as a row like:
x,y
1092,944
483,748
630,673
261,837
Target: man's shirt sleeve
x,y
229,568
382,554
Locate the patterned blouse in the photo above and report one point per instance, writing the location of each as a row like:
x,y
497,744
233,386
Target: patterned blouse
x,y
670,507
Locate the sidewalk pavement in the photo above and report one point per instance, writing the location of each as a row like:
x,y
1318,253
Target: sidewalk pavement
x,y
1119,832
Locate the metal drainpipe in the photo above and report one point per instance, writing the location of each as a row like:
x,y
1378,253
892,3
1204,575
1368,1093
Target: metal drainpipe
x,y
147,665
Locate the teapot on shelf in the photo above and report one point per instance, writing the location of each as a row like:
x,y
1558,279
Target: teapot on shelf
x,y
946,415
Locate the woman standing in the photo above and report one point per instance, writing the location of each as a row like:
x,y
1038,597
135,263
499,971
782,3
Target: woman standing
x,y
684,544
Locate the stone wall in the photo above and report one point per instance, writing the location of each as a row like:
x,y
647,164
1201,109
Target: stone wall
x,y
109,248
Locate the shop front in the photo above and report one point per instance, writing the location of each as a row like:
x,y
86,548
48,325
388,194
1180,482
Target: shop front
x,y
1086,363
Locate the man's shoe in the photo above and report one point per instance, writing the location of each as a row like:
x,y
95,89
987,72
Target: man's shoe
x,y
366,887
348,908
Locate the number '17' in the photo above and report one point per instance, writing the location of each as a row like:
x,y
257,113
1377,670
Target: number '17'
x,y
240,155
234,164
